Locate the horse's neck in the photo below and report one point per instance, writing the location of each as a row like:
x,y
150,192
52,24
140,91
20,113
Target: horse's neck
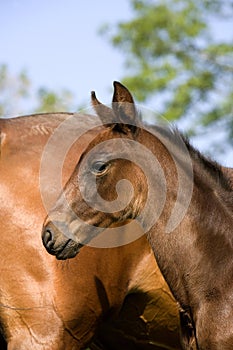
x,y
228,172
188,256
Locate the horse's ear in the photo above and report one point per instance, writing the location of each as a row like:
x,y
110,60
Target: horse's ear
x,y
105,113
124,107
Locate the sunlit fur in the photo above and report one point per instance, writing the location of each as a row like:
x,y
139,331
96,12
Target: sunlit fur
x,y
102,297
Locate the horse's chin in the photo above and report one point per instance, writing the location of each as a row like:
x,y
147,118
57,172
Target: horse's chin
x,y
68,253
68,250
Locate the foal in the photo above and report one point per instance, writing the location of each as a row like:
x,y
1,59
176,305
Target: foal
x,y
195,253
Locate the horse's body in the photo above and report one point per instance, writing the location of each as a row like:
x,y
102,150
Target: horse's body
x,y
116,295
196,258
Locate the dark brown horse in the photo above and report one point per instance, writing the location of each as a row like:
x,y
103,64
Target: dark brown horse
x,y
109,298
193,244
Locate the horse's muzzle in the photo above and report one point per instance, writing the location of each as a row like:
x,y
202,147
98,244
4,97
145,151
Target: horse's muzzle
x,y
57,243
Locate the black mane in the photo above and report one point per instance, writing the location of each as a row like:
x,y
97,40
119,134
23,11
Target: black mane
x,y
212,168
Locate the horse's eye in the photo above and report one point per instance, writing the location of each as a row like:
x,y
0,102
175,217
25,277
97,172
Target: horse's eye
x,y
99,168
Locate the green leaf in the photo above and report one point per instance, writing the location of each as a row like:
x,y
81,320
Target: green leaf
x,y
170,50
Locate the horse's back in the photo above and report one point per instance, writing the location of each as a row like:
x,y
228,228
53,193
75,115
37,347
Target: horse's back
x,y
29,133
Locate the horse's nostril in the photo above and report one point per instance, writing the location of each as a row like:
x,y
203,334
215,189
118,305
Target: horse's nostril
x,y
47,237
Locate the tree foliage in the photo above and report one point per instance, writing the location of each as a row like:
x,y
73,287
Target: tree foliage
x,y
171,53
14,91
50,101
18,96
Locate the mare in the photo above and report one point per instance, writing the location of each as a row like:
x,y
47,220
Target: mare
x,y
109,298
196,256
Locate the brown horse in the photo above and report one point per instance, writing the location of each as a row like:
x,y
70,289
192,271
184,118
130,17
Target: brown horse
x,y
109,298
192,244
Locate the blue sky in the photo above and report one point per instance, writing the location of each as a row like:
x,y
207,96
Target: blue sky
x,y
58,44
56,41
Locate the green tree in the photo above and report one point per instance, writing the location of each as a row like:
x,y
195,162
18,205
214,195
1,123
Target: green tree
x,y
18,97
14,91
50,101
171,53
